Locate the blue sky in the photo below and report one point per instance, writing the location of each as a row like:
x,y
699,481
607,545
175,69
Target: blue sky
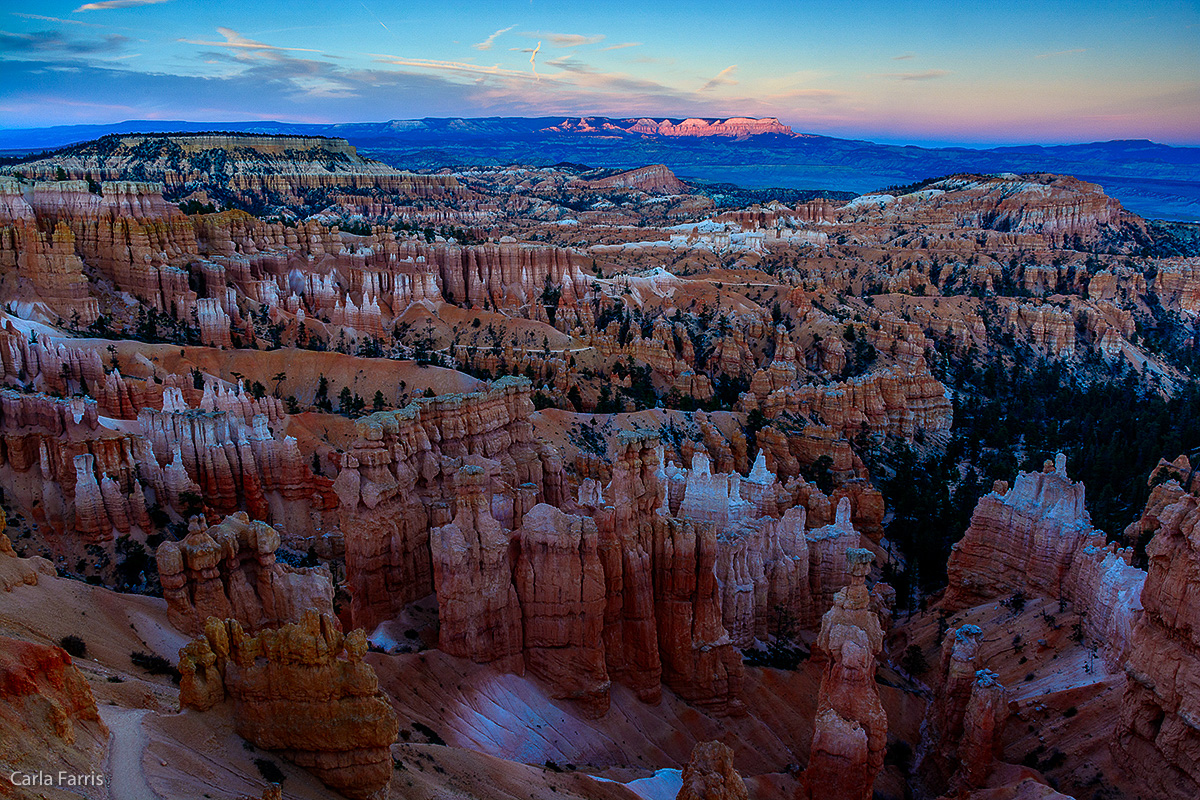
x,y
936,72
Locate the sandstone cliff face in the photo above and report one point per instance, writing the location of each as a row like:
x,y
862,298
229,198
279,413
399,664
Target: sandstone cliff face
x,y
709,775
228,571
1037,538
47,261
897,401
48,716
479,614
226,452
397,482
128,232
698,659
247,164
851,727
1157,738
302,690
560,584
77,476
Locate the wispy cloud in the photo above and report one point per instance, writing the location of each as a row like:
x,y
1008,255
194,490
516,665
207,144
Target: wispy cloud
x,y
46,42
722,78
927,75
457,67
565,39
620,46
55,19
487,43
110,4
1062,53
247,47
904,57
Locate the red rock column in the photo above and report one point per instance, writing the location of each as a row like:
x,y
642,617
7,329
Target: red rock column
x,y
851,729
478,609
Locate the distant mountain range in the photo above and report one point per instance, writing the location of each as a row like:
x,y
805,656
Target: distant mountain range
x,y
1151,179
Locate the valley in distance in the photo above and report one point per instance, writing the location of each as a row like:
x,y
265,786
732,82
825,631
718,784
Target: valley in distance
x,y
531,458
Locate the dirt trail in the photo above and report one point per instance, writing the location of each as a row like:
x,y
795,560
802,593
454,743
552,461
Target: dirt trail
x,y
126,779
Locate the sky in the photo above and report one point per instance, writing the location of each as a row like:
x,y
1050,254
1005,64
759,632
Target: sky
x,y
970,72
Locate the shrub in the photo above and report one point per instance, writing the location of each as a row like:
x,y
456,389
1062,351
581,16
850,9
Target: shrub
x,y
75,646
154,664
914,661
270,771
429,733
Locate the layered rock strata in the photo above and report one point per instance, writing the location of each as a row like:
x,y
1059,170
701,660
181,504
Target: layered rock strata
x,y
965,721
1157,736
851,726
479,614
709,775
560,585
229,571
397,483
302,690
1037,538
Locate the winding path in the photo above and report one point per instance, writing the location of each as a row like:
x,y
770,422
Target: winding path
x,y
126,779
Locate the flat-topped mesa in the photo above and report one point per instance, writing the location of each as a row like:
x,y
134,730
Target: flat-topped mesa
x,y
653,178
397,482
479,614
229,571
733,126
267,145
1157,737
302,690
248,164
1037,538
851,726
